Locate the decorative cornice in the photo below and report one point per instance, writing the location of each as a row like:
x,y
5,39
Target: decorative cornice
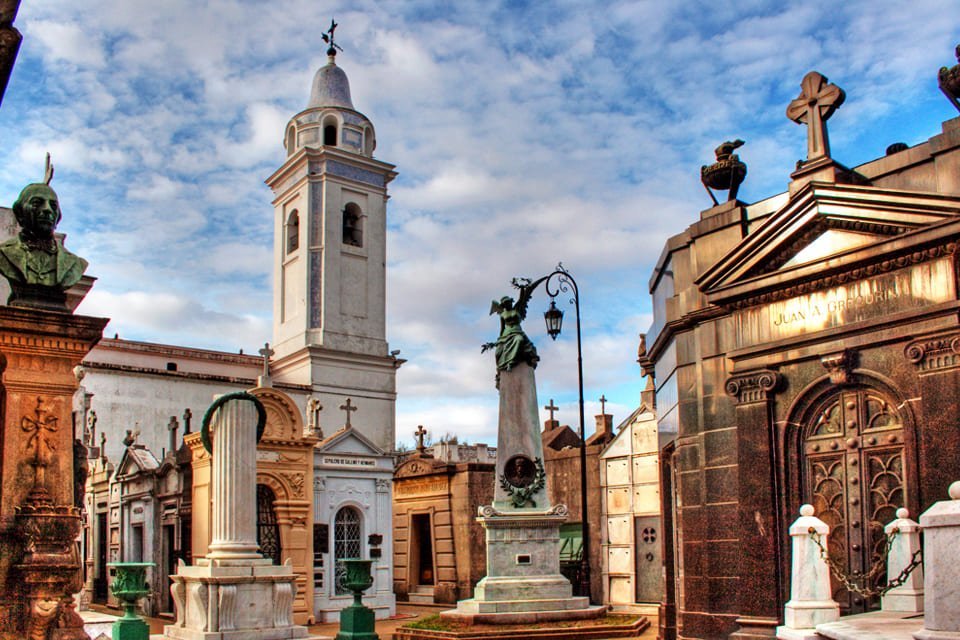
x,y
884,265
753,386
935,352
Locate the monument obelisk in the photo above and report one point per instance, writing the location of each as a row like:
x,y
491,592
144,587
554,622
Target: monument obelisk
x,y
523,581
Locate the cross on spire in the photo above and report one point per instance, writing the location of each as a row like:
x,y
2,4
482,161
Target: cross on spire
x,y
817,101
603,405
420,432
348,409
328,38
551,408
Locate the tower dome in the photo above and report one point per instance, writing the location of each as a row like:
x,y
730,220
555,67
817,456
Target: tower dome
x,y
330,87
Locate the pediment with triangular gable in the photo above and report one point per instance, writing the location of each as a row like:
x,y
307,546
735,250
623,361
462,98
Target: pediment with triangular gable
x,y
349,440
136,460
824,229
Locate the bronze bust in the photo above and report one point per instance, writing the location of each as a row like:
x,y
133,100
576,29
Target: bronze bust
x,y
36,264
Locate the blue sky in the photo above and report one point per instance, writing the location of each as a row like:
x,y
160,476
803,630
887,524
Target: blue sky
x,y
525,134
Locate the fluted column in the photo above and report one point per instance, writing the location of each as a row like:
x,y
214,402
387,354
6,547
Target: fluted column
x,y
234,481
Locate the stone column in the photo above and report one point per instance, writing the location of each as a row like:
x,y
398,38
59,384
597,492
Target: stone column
x,y
941,534
810,594
234,471
907,597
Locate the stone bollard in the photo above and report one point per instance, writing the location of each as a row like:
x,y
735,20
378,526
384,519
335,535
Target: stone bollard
x,y
810,594
908,597
941,536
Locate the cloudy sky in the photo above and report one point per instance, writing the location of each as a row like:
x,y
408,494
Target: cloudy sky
x,y
525,133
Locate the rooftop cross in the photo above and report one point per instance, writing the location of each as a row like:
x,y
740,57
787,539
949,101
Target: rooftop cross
x,y
172,427
348,408
187,415
551,408
817,101
420,432
266,352
313,416
328,38
603,405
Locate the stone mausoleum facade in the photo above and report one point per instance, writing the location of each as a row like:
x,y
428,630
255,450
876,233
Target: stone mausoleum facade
x,y
806,349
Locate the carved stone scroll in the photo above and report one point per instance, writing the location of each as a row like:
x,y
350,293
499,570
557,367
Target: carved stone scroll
x,y
753,386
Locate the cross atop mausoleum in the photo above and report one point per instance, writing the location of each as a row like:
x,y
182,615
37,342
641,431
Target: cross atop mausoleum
x,y
266,352
603,405
420,432
313,416
187,416
172,427
348,409
817,101
551,408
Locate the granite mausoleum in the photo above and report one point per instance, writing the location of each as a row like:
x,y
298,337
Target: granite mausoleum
x,y
806,349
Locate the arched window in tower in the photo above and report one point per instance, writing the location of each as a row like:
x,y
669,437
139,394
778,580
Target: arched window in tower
x,y
352,225
291,140
293,231
347,534
268,531
330,131
369,144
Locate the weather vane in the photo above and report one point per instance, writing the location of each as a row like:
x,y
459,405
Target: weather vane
x,y
328,38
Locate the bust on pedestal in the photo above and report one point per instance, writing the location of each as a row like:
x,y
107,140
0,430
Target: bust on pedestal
x,y
523,581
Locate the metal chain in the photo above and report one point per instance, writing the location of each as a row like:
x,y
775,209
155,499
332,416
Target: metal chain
x,y
853,581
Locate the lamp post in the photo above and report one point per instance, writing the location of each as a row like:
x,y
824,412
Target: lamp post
x,y
560,281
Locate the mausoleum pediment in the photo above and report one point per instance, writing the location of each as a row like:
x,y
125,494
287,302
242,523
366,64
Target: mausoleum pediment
x,y
349,440
825,228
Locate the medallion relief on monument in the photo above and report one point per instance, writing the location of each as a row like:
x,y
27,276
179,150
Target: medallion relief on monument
x,y
916,286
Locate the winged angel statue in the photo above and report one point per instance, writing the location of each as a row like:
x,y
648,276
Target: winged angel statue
x,y
513,346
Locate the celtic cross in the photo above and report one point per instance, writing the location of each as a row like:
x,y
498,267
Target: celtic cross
x,y
817,101
348,409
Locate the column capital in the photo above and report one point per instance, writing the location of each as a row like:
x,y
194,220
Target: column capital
x,y
748,387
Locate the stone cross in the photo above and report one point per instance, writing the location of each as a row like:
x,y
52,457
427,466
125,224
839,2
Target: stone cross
x,y
266,352
313,416
817,101
172,427
187,416
419,433
347,408
603,405
551,408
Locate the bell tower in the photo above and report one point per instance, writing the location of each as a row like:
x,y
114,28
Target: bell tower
x,y
329,282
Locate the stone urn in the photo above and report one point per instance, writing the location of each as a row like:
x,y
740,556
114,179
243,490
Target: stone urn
x,y
357,621
129,585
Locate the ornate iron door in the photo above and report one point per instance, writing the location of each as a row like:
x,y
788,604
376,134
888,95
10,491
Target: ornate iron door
x,y
268,531
855,480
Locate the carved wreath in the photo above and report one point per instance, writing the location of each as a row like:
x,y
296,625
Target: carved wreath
x,y
520,496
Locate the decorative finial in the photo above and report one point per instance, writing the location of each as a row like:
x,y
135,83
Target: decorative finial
x,y
48,171
817,101
328,38
949,81
727,172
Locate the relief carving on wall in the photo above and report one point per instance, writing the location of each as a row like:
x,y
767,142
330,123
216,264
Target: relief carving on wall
x,y
296,483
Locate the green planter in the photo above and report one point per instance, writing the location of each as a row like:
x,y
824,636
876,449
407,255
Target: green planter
x,y
357,621
129,585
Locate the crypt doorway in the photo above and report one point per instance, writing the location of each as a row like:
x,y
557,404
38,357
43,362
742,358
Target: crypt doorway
x,y
854,468
268,529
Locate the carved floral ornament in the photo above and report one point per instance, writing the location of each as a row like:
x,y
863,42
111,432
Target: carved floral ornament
x,y
754,386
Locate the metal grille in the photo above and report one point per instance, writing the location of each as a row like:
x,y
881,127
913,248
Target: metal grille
x,y
346,543
268,532
855,479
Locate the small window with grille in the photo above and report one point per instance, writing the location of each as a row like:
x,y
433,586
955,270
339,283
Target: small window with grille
x,y
347,535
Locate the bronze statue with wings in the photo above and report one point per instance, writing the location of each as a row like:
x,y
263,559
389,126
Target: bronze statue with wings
x,y
513,346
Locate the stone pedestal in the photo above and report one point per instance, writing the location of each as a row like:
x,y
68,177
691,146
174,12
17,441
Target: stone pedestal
x,y
523,582
908,597
810,602
234,593
941,577
39,492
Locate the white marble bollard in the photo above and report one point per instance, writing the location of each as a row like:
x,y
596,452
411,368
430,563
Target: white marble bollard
x,y
811,602
941,581
234,474
908,597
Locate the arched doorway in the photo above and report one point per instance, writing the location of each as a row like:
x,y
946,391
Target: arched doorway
x,y
854,473
268,531
347,533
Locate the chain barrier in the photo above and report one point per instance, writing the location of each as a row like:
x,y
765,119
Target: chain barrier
x,y
852,582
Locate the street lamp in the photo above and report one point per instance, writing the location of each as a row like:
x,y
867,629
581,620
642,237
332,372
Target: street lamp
x,y
555,283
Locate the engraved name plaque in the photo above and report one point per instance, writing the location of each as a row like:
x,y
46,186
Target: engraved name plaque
x,y
908,288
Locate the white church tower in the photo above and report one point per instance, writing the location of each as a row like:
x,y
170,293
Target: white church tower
x,y
329,287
